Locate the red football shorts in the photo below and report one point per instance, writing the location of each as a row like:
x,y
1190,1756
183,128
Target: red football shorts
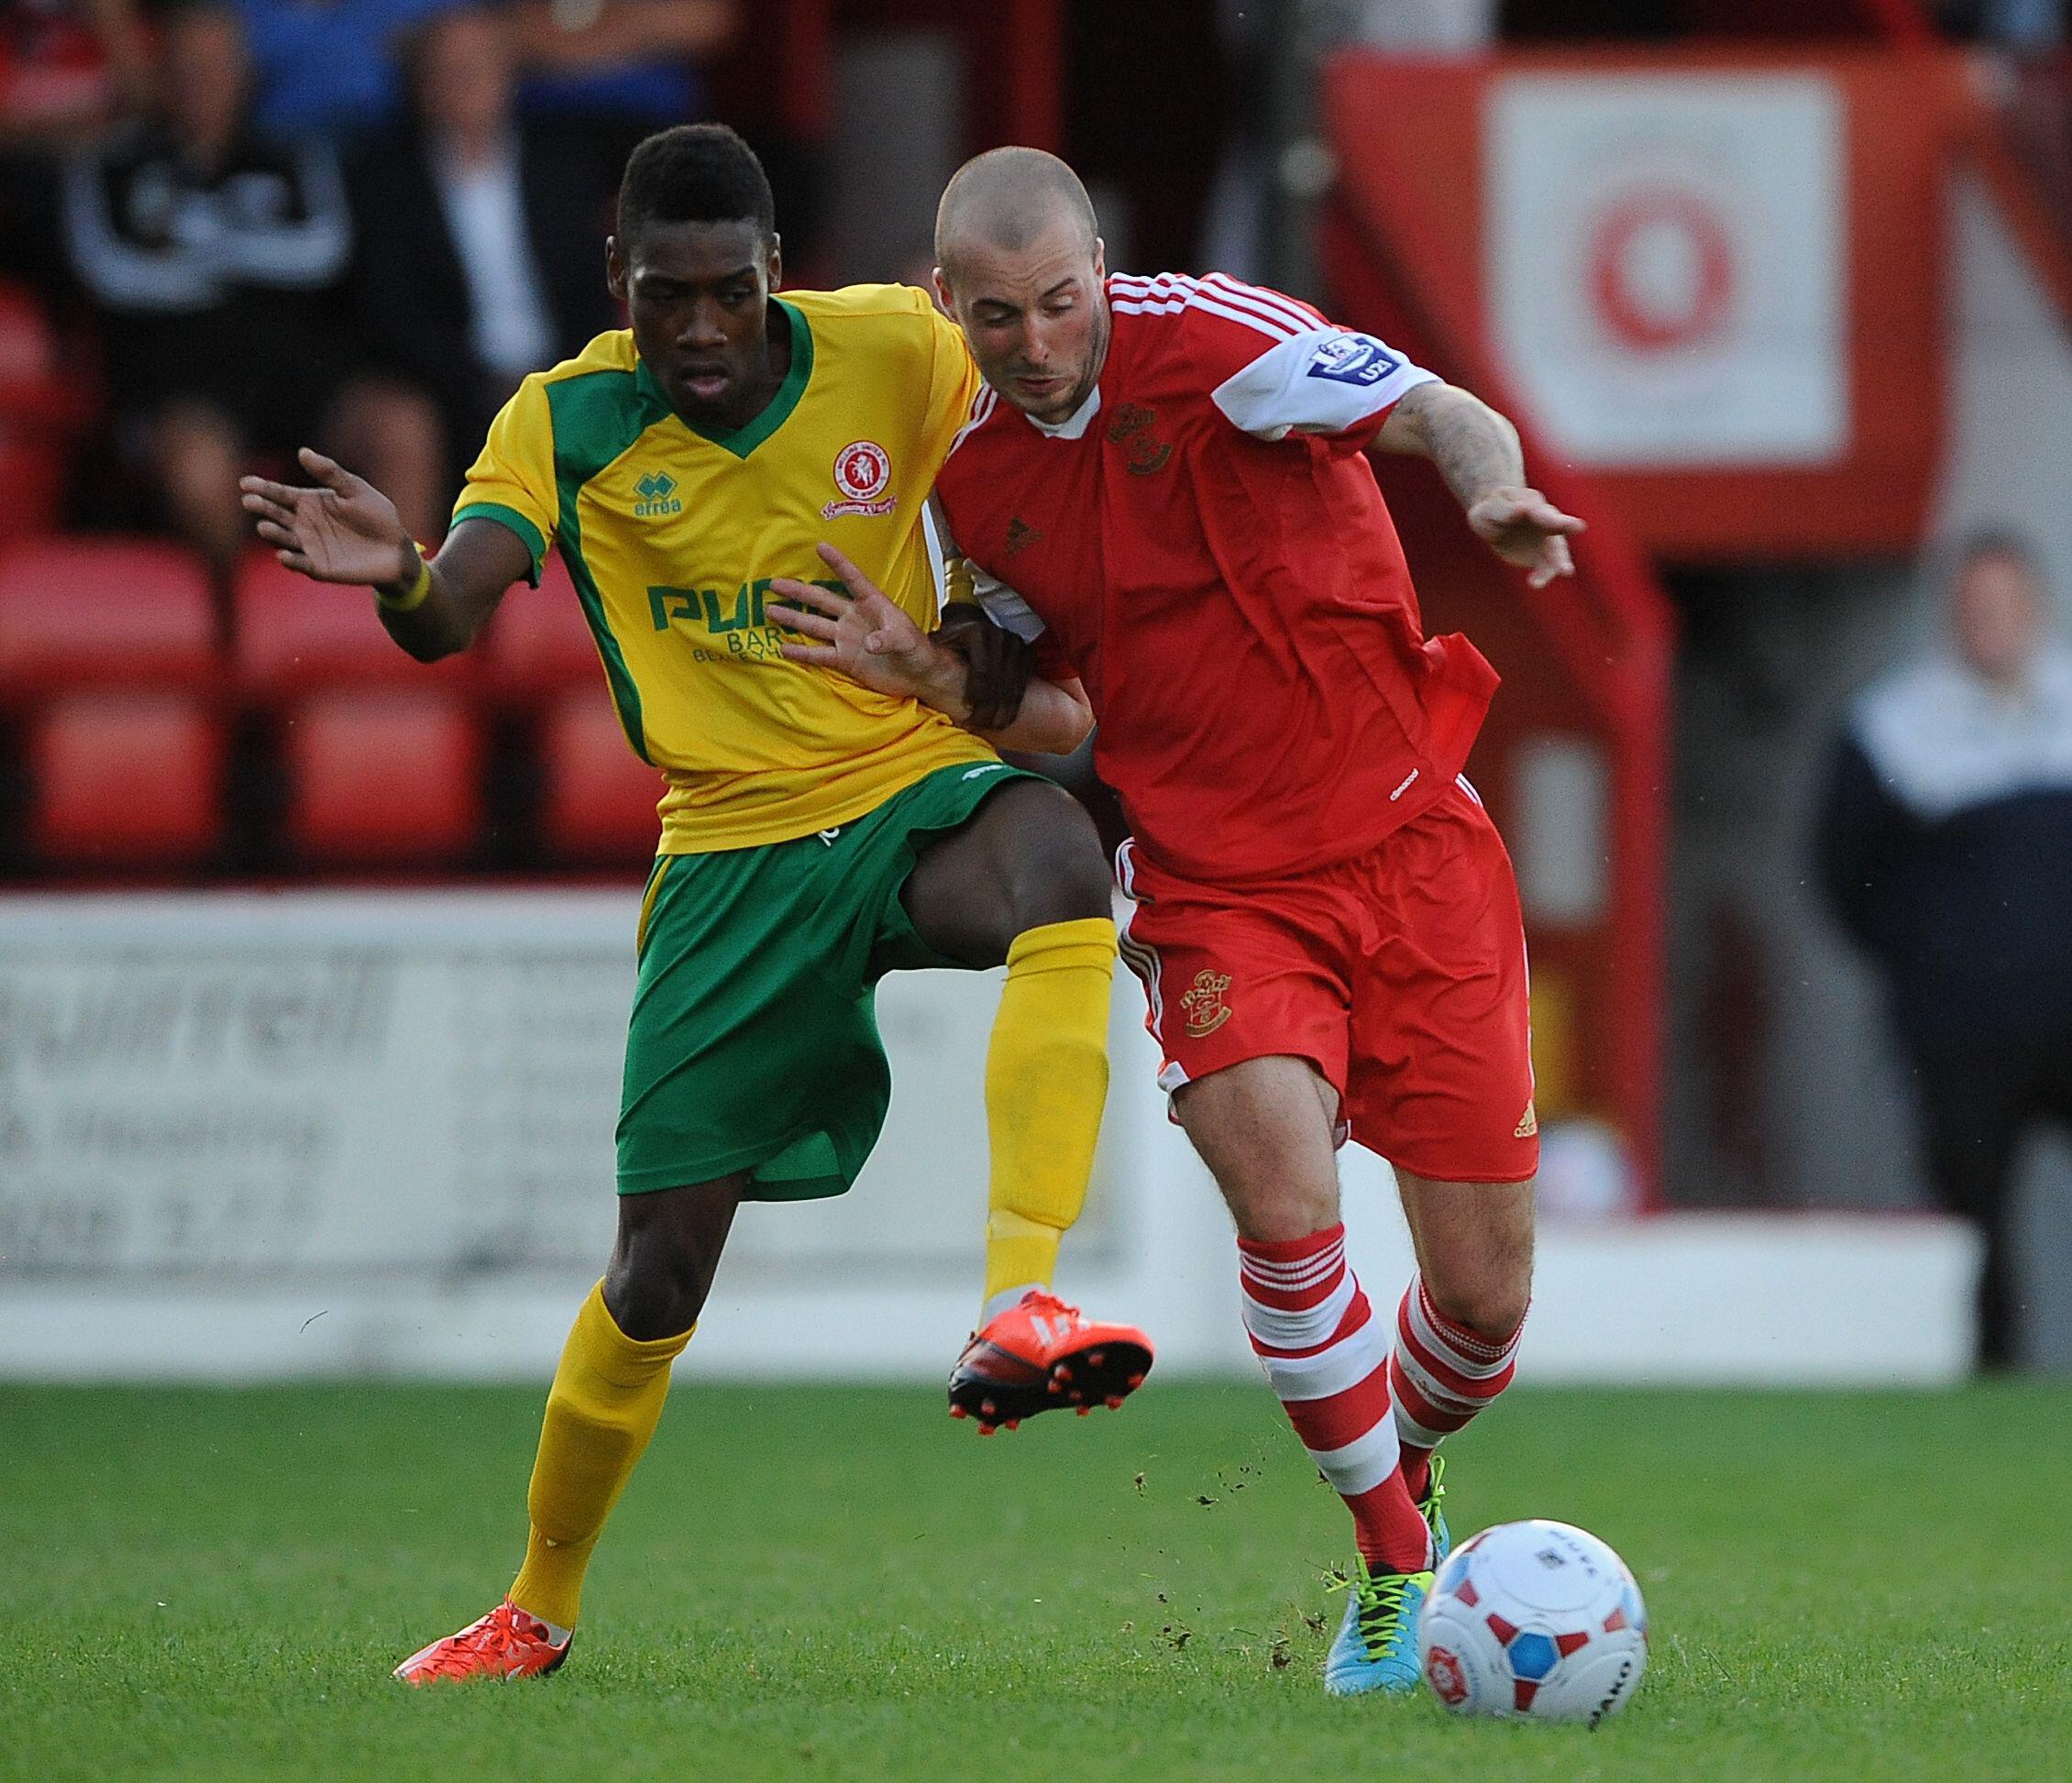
x,y
1400,975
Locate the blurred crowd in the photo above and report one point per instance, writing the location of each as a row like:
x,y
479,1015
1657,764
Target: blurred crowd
x,y
236,226
254,224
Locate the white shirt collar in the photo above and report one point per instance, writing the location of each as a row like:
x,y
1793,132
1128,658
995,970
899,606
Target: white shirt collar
x,y
1075,425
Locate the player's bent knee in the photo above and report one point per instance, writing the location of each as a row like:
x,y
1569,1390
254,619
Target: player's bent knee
x,y
647,1308
656,1288
1074,895
1055,871
1491,1305
1279,1218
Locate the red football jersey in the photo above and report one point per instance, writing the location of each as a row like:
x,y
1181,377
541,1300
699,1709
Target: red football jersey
x,y
1204,547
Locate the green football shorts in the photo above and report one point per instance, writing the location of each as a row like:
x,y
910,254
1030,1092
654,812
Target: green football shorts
x,y
754,1041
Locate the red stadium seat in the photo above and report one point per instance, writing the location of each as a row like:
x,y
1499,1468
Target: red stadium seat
x,y
80,612
295,635
29,351
125,780
540,644
597,805
383,777
32,476
43,405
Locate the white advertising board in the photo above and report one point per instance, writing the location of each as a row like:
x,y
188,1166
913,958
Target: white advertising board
x,y
1665,259
374,1090
250,1137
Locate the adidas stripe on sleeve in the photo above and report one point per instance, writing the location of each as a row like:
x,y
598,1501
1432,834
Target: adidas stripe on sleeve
x,y
1281,367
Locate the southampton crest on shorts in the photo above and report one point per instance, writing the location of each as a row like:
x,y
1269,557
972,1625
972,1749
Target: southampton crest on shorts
x,y
862,472
1205,1007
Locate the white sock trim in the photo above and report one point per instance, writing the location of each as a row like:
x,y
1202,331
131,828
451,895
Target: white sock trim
x,y
554,1631
1330,1371
1279,1328
1363,1463
1005,1299
1435,1393
1409,1430
1485,1360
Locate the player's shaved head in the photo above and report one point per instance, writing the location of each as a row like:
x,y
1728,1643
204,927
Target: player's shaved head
x,y
1019,266
1007,198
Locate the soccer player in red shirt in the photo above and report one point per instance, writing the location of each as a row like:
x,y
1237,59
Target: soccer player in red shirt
x,y
1165,488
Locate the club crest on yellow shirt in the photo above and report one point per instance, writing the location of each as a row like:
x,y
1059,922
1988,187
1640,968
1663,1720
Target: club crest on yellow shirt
x,y
862,472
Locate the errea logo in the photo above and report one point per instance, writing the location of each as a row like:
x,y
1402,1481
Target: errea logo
x,y
657,492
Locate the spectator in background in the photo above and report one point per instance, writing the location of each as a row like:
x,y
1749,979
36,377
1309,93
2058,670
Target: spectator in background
x,y
2025,27
329,68
480,238
1946,849
213,258
619,70
68,69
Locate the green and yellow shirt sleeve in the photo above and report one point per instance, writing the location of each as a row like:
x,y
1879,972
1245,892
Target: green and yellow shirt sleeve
x,y
512,481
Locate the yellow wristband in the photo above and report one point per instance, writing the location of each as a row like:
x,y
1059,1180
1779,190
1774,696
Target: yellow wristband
x,y
411,598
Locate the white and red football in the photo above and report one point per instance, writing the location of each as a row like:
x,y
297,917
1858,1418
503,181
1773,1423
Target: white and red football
x,y
1534,1621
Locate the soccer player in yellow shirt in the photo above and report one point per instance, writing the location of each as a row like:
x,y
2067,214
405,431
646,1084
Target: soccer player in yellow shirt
x,y
816,832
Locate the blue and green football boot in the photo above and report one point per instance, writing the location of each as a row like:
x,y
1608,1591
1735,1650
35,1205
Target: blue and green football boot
x,y
1376,1648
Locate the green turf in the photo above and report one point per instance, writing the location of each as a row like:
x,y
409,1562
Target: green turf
x,y
823,1583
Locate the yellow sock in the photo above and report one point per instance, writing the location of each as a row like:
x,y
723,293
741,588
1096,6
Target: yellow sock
x,y
1046,1082
603,1406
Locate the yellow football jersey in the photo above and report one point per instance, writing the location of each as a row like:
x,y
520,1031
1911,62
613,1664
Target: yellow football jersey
x,y
672,536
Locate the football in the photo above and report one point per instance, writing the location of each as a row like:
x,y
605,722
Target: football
x,y
1534,1621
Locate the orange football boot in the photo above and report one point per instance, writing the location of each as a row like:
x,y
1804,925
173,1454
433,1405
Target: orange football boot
x,y
506,1643
1043,1356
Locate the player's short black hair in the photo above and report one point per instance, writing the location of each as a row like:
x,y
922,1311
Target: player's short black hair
x,y
695,174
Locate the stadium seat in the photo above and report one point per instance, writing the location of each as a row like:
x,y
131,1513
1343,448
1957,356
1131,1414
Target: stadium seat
x,y
382,777
97,613
28,353
540,644
296,636
124,781
43,405
32,476
598,798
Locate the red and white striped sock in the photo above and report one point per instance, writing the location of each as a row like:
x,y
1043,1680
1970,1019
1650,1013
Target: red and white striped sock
x,y
1442,1374
1327,1356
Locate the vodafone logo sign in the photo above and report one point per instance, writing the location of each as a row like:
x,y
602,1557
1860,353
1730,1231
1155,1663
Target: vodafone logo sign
x,y
1661,269
862,472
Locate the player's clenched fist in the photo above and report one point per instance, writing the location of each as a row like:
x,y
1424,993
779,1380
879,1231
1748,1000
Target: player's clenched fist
x,y
345,530
1523,527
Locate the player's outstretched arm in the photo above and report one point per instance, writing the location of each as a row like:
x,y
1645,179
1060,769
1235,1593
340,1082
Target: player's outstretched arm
x,y
863,635
346,530
1477,452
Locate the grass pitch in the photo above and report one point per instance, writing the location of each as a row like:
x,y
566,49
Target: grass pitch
x,y
828,1583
